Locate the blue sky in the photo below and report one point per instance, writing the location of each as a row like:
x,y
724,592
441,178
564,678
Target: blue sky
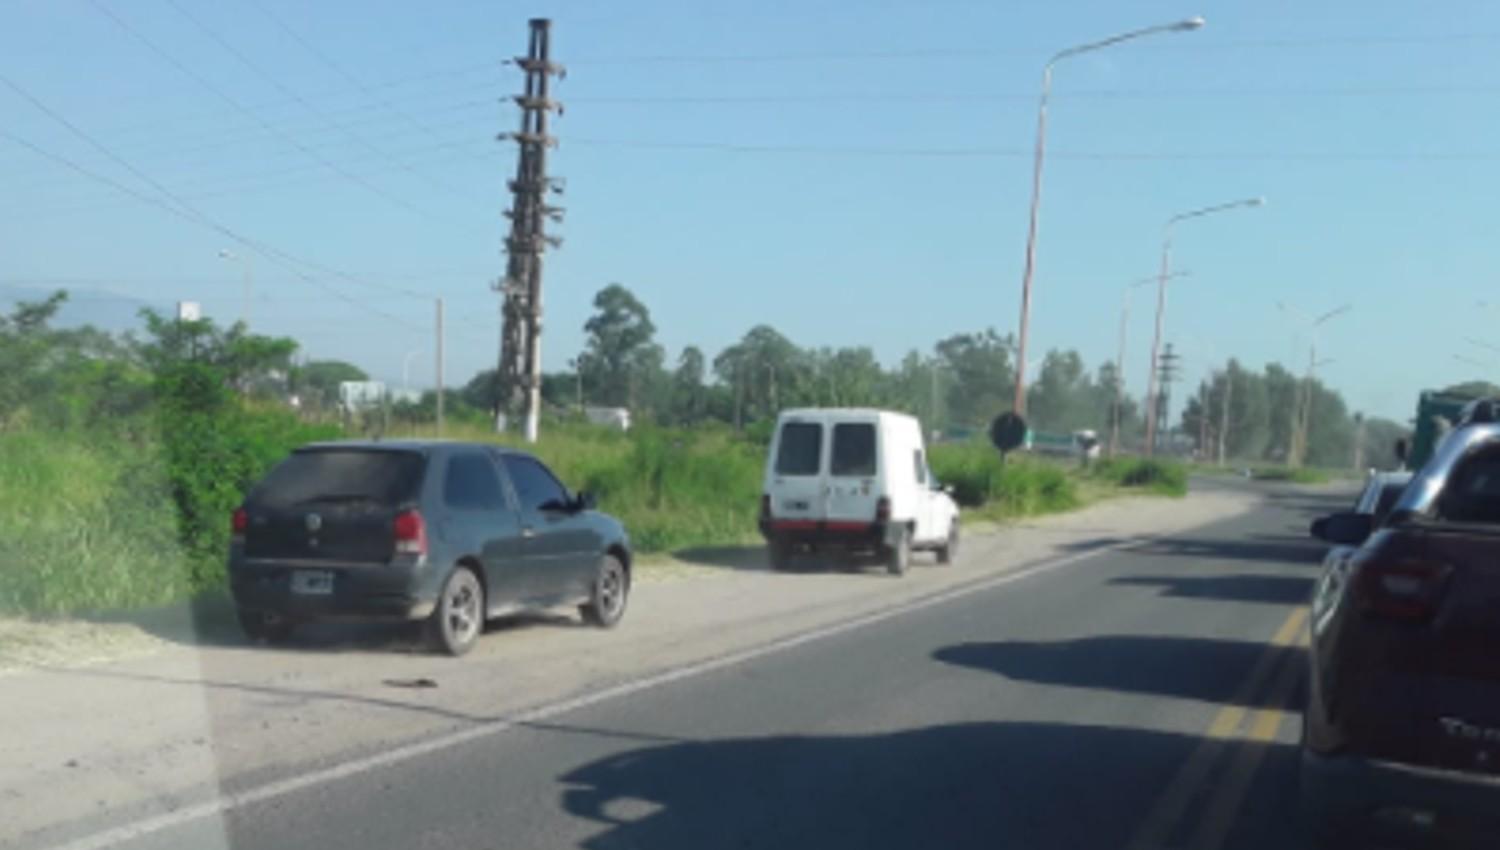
x,y
850,173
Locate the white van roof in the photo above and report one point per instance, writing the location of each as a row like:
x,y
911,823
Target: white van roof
x,y
842,413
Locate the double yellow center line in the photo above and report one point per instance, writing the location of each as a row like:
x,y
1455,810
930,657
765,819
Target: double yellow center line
x,y
1233,724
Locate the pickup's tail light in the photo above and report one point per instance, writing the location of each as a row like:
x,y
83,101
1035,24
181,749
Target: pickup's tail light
x,y
411,533
238,522
1403,590
883,509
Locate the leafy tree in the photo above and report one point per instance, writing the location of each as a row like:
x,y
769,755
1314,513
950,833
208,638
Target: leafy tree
x,y
983,377
689,397
623,359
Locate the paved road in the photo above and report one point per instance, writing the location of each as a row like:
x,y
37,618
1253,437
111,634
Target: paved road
x,y
1134,698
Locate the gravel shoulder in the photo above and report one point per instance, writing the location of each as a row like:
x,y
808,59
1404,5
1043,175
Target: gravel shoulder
x,y
111,720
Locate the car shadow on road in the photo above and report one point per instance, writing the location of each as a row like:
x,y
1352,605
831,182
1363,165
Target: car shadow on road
x,y
1282,550
209,620
754,558
1208,669
973,785
1274,590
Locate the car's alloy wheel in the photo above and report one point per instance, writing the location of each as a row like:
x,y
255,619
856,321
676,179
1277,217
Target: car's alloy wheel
x,y
459,617
610,593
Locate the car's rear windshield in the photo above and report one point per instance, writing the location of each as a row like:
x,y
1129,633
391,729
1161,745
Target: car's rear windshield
x,y
801,449
383,478
853,449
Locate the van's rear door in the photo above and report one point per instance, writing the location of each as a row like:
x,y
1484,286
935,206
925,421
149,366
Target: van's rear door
x,y
795,487
853,467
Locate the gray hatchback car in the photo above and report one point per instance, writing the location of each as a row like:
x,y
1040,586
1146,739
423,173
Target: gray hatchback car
x,y
450,533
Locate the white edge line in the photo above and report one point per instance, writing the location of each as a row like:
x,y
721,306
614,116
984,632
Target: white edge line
x,y
166,820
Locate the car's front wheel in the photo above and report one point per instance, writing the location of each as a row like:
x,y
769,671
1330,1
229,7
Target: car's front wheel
x,y
610,592
457,621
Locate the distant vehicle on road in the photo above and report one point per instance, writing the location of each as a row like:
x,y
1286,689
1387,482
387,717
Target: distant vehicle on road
x,y
617,418
450,533
857,480
1401,735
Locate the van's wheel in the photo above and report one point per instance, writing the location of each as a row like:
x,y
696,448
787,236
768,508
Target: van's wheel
x,y
779,552
260,626
610,592
455,624
898,554
947,552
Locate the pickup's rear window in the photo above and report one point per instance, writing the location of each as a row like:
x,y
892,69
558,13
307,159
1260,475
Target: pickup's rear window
x,y
801,449
853,449
1472,494
384,478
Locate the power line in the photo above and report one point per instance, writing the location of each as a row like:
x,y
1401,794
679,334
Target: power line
x,y
182,209
261,72
259,121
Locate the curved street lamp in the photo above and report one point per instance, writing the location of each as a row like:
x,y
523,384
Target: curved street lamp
x,y
1186,25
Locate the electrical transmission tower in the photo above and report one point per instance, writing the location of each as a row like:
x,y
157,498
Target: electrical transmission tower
x,y
1167,372
520,369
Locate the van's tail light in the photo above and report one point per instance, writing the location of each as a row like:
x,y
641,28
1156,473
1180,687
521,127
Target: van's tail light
x,y
765,506
411,533
883,509
238,522
1404,590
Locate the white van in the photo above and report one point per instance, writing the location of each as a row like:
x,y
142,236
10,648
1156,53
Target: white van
x,y
854,479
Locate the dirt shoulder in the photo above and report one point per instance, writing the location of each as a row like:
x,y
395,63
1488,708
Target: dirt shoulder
x,y
149,716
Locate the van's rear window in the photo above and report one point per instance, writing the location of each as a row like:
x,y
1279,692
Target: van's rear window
x,y
384,478
853,449
801,450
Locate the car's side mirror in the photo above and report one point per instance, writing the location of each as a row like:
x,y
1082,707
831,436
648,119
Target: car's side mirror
x,y
584,501
1343,529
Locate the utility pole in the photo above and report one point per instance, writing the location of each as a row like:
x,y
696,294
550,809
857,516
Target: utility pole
x,y
1224,413
1359,441
439,367
520,368
1203,422
1166,374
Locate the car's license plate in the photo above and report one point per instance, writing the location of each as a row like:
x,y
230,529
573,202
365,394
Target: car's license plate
x,y
312,582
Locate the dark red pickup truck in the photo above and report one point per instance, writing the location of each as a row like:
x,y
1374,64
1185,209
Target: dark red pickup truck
x,y
1401,739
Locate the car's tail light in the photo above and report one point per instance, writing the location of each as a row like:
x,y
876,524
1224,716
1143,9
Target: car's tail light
x,y
1404,590
765,506
238,522
883,509
411,533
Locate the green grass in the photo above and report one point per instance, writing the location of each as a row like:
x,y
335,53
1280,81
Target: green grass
x,y
1161,477
993,490
89,525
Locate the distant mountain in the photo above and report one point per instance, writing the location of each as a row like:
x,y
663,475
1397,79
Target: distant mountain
x,y
104,310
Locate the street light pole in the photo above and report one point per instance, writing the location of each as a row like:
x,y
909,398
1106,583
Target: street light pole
x,y
248,282
1301,410
1161,304
1036,179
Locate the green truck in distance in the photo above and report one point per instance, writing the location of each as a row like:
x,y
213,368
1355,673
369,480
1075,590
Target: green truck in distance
x,y
1438,411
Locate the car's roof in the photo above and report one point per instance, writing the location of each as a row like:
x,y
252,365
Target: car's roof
x,y
1390,479
851,412
406,445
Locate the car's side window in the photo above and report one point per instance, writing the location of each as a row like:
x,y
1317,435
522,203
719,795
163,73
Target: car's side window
x,y
535,485
470,483
1472,493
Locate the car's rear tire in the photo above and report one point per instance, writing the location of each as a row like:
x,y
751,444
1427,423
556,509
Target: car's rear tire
x,y
779,553
947,552
458,619
263,627
609,594
898,554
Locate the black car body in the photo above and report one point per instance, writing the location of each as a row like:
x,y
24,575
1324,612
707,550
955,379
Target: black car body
x,y
452,533
1401,736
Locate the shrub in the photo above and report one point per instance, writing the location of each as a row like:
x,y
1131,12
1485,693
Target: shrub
x,y
1158,476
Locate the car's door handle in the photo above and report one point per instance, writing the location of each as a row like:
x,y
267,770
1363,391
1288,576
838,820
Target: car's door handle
x,y
528,531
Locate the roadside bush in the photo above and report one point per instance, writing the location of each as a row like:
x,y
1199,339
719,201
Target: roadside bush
x,y
1018,487
1167,478
216,448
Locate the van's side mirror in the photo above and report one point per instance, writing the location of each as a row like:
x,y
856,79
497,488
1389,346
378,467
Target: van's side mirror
x,y
1343,529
